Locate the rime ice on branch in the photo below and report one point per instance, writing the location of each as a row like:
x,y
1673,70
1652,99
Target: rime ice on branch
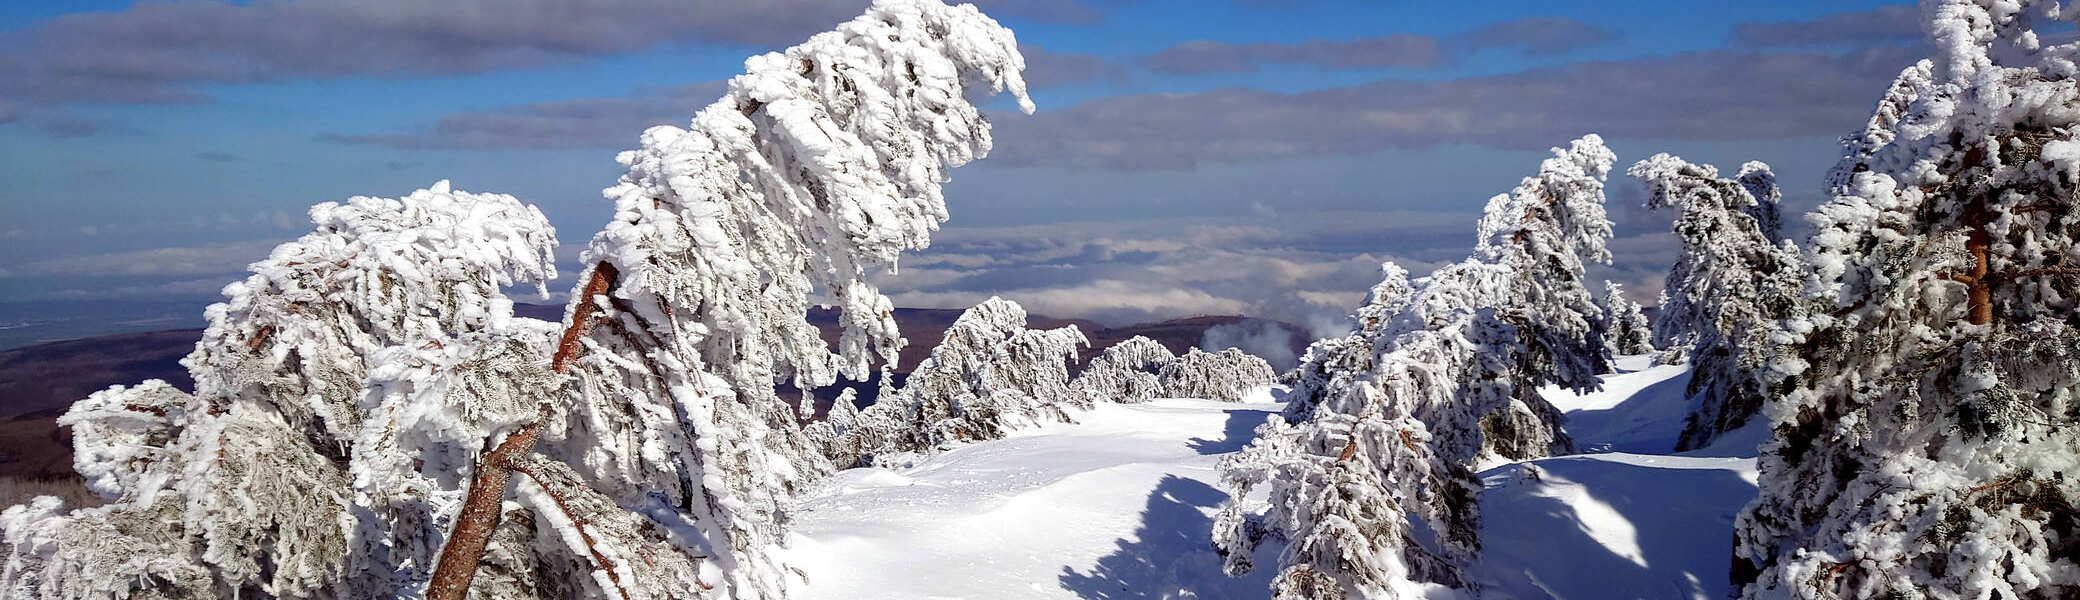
x,y
1385,423
1926,447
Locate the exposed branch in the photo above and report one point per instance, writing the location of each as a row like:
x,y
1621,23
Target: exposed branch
x,y
603,278
487,490
579,522
260,338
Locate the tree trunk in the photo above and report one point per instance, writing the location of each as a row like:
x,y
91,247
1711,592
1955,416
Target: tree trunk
x,y
487,490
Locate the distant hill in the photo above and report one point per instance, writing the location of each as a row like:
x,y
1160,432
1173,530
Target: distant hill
x,y
37,383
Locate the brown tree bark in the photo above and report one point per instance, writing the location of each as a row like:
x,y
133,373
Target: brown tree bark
x,y
487,490
1979,287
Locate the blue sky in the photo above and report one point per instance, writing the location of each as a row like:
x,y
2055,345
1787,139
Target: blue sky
x,y
149,150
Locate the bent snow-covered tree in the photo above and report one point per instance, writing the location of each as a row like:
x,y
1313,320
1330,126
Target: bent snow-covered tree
x,y
989,376
820,166
373,372
1124,372
1386,422
1730,289
1627,330
1139,369
260,482
1927,445
1223,376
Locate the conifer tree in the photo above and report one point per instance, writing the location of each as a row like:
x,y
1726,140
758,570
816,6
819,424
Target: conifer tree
x,y
1385,423
254,484
1728,292
1627,330
1124,372
1926,447
990,376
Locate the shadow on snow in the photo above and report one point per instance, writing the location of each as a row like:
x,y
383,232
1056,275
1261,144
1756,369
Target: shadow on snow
x,y
1647,422
1240,429
1679,519
1171,554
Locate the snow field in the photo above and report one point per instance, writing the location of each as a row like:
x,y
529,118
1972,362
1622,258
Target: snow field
x,y
1119,504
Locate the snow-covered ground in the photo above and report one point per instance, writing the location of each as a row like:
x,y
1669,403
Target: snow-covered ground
x,y
1119,505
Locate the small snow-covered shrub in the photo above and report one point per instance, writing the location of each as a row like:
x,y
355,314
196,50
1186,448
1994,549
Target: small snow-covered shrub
x,y
989,376
1124,372
1139,369
1223,376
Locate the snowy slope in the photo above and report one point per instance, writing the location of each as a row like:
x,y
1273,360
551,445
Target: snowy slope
x,y
1118,505
1625,520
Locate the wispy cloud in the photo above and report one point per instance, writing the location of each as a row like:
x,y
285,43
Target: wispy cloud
x,y
153,52
1546,35
1204,56
1717,95
213,259
1047,68
1542,35
1309,269
1882,25
575,123
615,122
1721,95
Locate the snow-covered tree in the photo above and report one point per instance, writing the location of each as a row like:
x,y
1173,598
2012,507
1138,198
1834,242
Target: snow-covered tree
x,y
821,165
1927,446
364,399
1124,372
1730,289
1385,423
251,484
1626,329
991,375
1138,369
1225,376
1672,335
